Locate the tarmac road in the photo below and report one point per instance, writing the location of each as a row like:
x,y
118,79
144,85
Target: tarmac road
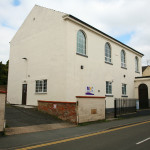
x,y
114,135
135,136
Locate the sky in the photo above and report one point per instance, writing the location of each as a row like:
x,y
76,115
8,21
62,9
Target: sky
x,y
126,20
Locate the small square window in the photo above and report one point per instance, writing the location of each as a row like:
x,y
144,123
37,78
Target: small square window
x,y
41,86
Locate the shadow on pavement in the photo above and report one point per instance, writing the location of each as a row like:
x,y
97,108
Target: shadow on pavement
x,y
18,117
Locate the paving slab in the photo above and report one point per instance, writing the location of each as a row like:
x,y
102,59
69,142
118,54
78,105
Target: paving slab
x,y
24,106
37,128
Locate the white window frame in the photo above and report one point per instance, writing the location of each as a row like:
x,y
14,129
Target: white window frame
x,y
136,64
41,86
108,53
123,59
81,43
108,88
124,89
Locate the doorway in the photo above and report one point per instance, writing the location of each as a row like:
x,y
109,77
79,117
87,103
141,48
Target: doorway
x,y
24,94
143,96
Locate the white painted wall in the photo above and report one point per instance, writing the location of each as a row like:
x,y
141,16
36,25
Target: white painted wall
x,y
96,72
42,42
49,44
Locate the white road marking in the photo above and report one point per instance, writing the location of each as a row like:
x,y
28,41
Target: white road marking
x,y
143,141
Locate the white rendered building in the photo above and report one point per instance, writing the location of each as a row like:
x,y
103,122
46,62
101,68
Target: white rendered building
x,y
55,57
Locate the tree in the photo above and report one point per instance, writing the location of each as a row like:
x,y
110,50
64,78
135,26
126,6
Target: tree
x,y
3,73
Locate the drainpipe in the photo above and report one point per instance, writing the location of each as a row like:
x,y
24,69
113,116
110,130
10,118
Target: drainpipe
x,y
77,112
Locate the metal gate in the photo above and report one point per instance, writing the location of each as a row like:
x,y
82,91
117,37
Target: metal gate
x,y
124,106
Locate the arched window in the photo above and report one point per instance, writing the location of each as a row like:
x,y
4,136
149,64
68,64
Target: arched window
x,y
107,53
81,43
136,64
123,59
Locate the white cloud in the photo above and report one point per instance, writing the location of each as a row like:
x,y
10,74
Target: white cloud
x,y
5,36
114,17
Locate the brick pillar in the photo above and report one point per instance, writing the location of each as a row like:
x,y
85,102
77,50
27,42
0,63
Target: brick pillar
x,y
2,111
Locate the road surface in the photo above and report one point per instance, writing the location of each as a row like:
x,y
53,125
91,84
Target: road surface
x,y
135,136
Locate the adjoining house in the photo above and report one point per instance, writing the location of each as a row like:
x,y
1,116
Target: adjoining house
x,y
142,91
142,87
56,57
146,70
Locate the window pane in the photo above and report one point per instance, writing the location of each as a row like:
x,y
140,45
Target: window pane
x,y
136,64
123,89
36,89
108,87
45,86
107,53
41,86
123,61
81,43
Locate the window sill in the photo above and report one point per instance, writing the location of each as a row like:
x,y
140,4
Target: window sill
x,y
123,67
108,63
82,55
124,96
137,72
40,92
107,95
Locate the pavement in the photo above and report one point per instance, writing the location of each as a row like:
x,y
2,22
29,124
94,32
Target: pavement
x,y
37,128
143,112
27,119
28,139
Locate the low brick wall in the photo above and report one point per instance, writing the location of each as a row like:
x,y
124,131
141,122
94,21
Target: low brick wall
x,y
63,110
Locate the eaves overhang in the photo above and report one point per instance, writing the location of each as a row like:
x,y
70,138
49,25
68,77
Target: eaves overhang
x,y
70,17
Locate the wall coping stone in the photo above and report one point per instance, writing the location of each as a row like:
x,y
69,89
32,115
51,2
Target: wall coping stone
x,y
56,102
90,97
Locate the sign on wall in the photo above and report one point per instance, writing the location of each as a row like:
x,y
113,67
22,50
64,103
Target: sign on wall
x,y
89,90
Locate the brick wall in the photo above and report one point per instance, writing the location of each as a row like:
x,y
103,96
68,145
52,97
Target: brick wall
x,y
63,110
